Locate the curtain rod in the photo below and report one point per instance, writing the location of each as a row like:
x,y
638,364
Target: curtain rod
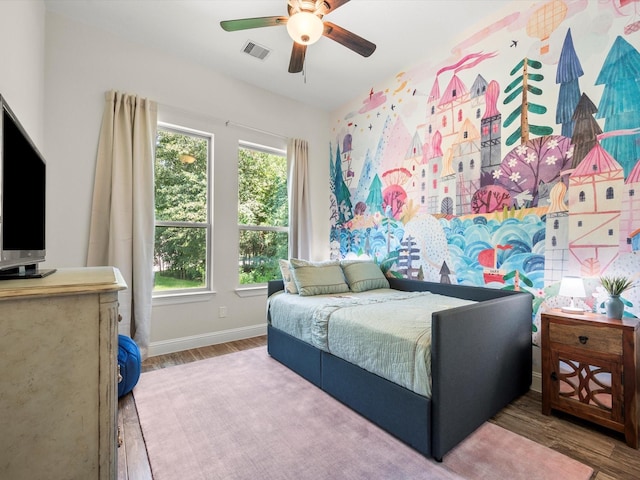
x,y
247,127
227,123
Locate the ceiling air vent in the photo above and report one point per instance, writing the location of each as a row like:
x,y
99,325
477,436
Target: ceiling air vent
x,y
255,50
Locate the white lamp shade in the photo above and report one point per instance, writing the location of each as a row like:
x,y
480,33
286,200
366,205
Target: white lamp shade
x,y
572,287
305,28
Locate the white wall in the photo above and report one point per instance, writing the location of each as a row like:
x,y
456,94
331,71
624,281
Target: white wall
x,y
81,65
22,63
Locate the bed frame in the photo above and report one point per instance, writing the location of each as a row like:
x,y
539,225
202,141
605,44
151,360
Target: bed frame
x,y
480,362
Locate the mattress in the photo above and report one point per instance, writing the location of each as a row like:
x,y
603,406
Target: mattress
x,y
384,331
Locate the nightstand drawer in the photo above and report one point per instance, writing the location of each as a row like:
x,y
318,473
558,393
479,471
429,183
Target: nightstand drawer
x,y
605,340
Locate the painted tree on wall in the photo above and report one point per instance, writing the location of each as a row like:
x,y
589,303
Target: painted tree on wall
x,y
586,131
374,199
620,102
530,165
332,171
343,196
567,75
366,177
334,216
490,198
521,87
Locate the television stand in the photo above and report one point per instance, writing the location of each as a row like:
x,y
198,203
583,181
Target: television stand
x,y
24,272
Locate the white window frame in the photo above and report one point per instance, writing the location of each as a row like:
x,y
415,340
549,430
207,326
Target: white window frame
x,y
260,228
208,225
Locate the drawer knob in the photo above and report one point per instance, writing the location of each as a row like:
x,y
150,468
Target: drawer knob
x,y
583,339
554,376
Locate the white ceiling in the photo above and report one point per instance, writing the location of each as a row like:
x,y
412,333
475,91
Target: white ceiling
x,y
403,30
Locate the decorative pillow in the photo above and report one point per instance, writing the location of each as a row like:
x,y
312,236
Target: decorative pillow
x,y
363,275
287,278
317,278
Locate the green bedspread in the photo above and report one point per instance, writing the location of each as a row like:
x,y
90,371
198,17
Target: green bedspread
x,y
386,332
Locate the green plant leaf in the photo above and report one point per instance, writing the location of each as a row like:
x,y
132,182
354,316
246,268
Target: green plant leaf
x,y
534,90
513,95
534,63
512,116
513,84
514,137
537,130
517,67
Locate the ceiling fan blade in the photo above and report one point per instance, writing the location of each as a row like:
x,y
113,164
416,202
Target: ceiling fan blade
x,y
258,22
327,6
348,39
297,58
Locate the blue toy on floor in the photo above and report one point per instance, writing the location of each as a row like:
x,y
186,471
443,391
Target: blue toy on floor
x,y
130,362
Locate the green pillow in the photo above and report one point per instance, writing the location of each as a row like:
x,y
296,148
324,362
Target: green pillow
x,y
318,278
363,275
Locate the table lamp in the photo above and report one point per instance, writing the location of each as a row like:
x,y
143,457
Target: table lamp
x,y
572,287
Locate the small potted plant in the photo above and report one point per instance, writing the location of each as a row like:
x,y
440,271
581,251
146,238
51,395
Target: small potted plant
x,y
615,285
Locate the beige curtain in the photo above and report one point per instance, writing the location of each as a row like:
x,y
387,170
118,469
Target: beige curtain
x,y
299,201
122,214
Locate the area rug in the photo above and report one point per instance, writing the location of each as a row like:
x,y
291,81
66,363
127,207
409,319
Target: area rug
x,y
245,416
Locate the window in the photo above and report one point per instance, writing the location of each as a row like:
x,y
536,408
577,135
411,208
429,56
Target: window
x,y
556,224
581,197
609,193
182,226
554,242
263,212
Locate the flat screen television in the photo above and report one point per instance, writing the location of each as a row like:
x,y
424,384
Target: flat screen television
x,y
22,201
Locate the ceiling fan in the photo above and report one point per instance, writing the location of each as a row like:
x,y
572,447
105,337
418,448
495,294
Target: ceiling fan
x,y
305,25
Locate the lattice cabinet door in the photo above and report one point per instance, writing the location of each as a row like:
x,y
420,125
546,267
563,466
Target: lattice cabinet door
x,y
587,386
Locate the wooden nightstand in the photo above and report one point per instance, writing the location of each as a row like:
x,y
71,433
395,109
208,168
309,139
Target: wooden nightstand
x,y
590,370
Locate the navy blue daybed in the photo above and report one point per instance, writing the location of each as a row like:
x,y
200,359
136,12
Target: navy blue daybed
x,y
480,362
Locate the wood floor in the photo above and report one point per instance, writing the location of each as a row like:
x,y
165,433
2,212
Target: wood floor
x,y
603,450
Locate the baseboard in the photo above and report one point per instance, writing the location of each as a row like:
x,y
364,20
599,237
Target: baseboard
x,y
536,382
195,341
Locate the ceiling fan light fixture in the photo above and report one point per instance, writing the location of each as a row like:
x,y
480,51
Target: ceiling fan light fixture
x,y
305,28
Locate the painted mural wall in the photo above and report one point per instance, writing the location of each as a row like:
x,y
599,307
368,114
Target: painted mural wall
x,y
507,161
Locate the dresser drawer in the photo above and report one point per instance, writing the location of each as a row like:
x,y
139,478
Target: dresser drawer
x,y
605,340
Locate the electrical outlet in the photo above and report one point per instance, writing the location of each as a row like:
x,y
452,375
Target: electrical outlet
x,y
222,312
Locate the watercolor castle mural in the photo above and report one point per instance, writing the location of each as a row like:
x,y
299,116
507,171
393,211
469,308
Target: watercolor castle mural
x,y
511,163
